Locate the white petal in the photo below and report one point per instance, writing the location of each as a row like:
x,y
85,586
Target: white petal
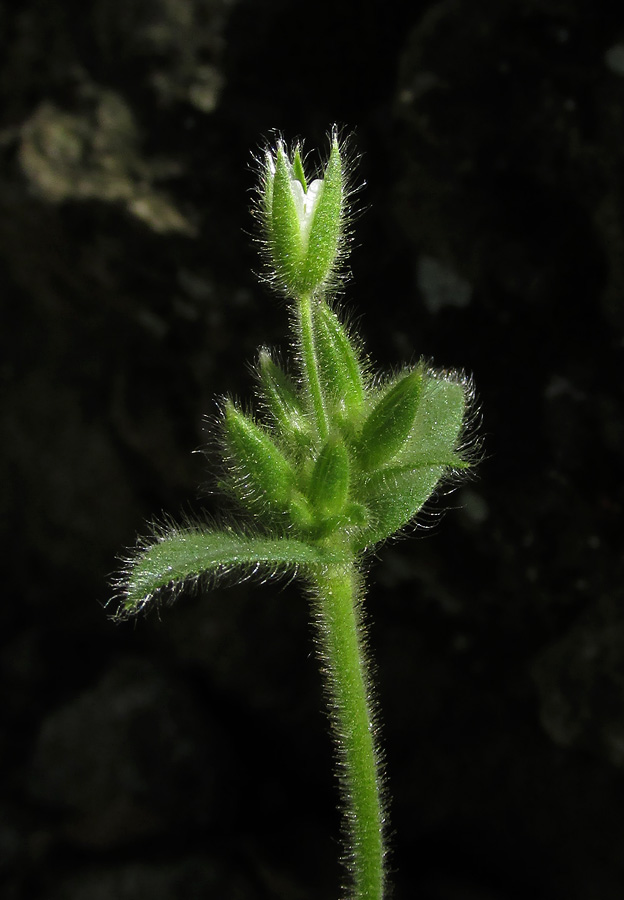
x,y
299,197
306,203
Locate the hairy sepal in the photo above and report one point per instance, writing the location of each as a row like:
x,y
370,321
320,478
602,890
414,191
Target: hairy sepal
x,y
326,228
285,239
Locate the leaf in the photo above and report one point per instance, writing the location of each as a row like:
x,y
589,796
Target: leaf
x,y
396,494
180,554
393,498
437,425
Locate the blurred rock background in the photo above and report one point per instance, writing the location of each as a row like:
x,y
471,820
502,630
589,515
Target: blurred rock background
x,y
186,756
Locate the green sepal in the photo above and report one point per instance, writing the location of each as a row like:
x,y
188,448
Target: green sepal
x,y
388,425
262,470
326,227
339,366
297,168
280,396
329,483
180,554
266,192
285,228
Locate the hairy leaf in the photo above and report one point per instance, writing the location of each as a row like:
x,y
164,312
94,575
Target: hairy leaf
x,y
394,497
437,425
180,554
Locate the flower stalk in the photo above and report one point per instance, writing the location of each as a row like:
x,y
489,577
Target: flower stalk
x,y
309,356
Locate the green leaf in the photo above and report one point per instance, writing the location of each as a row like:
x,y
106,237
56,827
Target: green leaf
x,y
393,498
396,494
437,424
263,472
327,225
387,427
329,484
186,553
339,367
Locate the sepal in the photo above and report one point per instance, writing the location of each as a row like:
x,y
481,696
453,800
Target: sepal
x,y
286,238
298,170
324,237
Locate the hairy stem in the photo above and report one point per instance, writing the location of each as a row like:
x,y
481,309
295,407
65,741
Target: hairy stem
x,y
310,365
338,617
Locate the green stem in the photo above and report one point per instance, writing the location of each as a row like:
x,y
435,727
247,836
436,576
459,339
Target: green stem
x,y
342,647
310,365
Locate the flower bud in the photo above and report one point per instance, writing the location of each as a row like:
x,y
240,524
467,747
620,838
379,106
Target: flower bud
x,y
280,397
264,474
389,423
329,485
303,222
339,365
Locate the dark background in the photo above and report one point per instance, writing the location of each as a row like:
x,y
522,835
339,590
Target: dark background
x,y
187,755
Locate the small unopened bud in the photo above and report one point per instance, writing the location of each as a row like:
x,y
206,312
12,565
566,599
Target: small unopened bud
x,y
263,472
388,425
329,485
340,368
303,222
